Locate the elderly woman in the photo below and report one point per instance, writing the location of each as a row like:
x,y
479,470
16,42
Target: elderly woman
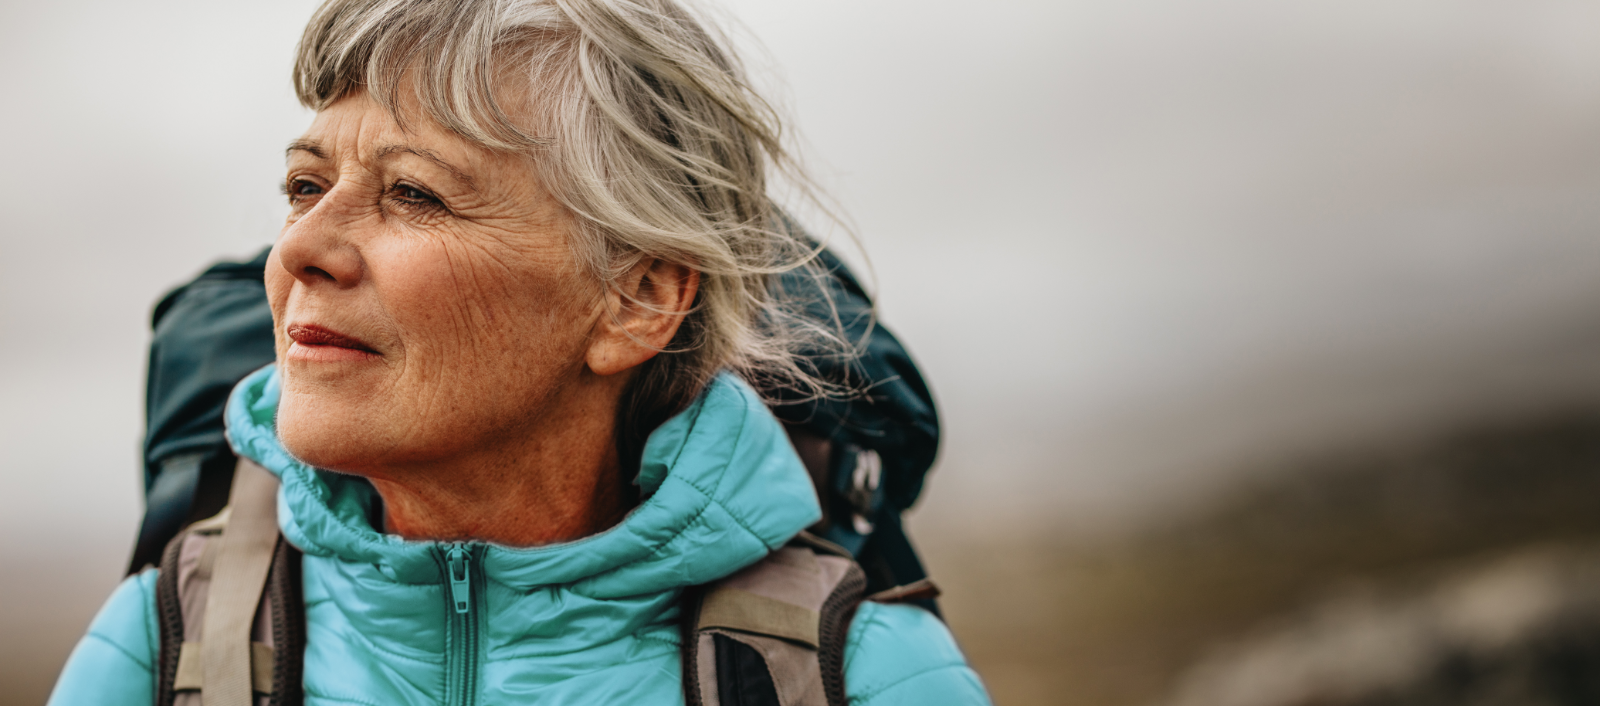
x,y
519,301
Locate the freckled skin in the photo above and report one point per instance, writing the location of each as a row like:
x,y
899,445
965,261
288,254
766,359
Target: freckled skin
x,y
488,412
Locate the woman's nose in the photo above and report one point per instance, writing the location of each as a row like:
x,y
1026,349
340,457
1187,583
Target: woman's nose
x,y
318,249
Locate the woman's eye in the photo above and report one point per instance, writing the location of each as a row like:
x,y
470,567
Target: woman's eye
x,y
412,194
299,188
412,197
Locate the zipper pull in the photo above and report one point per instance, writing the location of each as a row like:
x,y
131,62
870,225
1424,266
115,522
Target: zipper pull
x,y
456,559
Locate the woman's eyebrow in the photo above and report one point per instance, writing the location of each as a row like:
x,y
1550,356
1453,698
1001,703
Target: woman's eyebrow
x,y
312,146
389,150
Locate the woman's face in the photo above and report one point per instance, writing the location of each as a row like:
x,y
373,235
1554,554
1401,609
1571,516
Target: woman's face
x,y
426,300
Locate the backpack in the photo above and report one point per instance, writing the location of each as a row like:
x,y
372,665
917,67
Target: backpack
x,y
742,645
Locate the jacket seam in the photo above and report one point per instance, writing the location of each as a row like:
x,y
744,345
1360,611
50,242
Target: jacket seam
x,y
125,651
661,640
699,406
859,630
655,549
364,640
744,424
347,699
677,534
860,699
712,500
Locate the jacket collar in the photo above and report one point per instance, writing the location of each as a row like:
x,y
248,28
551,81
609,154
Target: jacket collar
x,y
721,484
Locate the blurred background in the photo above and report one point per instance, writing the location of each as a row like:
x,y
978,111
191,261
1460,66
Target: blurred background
x,y
1266,334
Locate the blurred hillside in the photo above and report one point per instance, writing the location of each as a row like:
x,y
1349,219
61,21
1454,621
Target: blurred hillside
x,y
1119,620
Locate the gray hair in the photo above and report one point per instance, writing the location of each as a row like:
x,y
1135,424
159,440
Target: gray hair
x,y
644,127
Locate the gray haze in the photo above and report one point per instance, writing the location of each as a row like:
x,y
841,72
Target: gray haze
x,y
1133,244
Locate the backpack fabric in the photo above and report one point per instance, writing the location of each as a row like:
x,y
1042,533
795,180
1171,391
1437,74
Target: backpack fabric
x,y
592,621
868,455
207,335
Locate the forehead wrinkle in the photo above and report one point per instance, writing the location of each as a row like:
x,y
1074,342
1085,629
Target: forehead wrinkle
x,y
391,150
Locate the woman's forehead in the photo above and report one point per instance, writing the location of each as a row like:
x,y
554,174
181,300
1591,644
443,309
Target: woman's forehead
x,y
359,122
358,129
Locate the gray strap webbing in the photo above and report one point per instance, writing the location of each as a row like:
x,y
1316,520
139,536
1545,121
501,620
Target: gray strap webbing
x,y
921,589
786,616
191,669
236,586
749,612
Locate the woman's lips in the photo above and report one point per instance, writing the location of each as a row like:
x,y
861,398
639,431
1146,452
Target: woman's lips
x,y
315,343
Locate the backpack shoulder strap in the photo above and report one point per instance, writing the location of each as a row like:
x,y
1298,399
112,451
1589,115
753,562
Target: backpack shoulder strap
x,y
773,634
230,608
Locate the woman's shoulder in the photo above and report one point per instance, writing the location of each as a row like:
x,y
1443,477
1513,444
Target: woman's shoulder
x,y
902,654
115,662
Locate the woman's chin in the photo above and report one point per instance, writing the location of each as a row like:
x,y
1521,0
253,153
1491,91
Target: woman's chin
x,y
331,442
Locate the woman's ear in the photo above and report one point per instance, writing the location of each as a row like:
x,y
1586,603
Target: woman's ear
x,y
648,304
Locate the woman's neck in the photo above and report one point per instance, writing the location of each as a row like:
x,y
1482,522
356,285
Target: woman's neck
x,y
558,481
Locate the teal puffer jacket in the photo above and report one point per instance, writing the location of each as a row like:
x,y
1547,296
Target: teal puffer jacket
x,y
587,622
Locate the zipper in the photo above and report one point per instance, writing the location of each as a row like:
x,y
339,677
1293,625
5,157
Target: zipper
x,y
459,561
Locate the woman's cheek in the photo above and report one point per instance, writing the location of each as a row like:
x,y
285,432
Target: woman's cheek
x,y
277,282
